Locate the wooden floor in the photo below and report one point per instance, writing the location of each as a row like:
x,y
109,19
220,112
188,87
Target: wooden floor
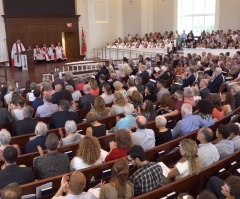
x,y
33,74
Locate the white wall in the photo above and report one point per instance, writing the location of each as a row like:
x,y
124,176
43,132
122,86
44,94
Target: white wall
x,y
3,46
100,21
163,15
229,15
131,13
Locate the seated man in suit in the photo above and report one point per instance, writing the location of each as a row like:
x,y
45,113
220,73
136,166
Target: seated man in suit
x,y
217,80
204,91
40,131
59,118
187,80
11,172
86,100
27,125
57,95
143,73
53,163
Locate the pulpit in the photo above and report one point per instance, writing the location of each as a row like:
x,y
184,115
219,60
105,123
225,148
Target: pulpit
x,y
27,59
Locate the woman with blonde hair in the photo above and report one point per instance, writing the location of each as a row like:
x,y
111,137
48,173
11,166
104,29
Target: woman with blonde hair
x,y
119,88
94,87
119,186
96,128
88,154
189,164
118,104
100,107
136,99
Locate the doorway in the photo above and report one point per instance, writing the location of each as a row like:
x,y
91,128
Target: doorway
x,y
70,41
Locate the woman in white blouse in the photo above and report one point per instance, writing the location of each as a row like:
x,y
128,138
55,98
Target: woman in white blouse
x,y
107,93
189,164
88,154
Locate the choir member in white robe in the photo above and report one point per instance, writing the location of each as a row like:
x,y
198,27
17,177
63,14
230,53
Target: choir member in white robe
x,y
37,54
60,53
45,54
52,53
17,48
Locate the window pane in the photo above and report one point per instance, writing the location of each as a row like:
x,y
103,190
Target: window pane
x,y
187,24
199,6
187,7
209,23
210,6
198,25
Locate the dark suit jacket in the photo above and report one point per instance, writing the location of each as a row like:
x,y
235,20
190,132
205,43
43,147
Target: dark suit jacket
x,y
144,75
188,81
56,97
31,146
25,126
37,102
59,118
5,116
215,84
14,173
204,93
86,101
164,76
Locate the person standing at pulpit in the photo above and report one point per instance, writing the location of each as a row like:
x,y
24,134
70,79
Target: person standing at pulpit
x,y
15,53
46,56
52,53
60,54
37,54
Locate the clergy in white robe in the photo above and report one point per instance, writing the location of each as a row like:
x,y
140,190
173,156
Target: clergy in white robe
x,y
37,54
60,53
45,54
17,48
52,53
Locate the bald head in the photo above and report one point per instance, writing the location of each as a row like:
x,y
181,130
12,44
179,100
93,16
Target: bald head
x,y
58,88
186,109
141,122
86,88
77,183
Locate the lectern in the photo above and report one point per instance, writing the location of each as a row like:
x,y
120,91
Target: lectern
x,y
27,59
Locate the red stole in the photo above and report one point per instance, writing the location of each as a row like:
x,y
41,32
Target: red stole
x,y
18,51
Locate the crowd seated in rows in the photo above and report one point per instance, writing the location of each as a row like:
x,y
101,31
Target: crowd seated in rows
x,y
213,40
198,105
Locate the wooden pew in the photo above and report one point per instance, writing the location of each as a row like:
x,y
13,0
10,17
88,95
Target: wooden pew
x,y
191,184
27,159
23,139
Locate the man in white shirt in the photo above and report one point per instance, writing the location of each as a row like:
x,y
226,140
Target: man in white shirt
x,y
73,186
143,136
17,48
207,152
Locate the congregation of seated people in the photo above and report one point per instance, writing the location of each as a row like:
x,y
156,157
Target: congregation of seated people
x,y
215,40
151,91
